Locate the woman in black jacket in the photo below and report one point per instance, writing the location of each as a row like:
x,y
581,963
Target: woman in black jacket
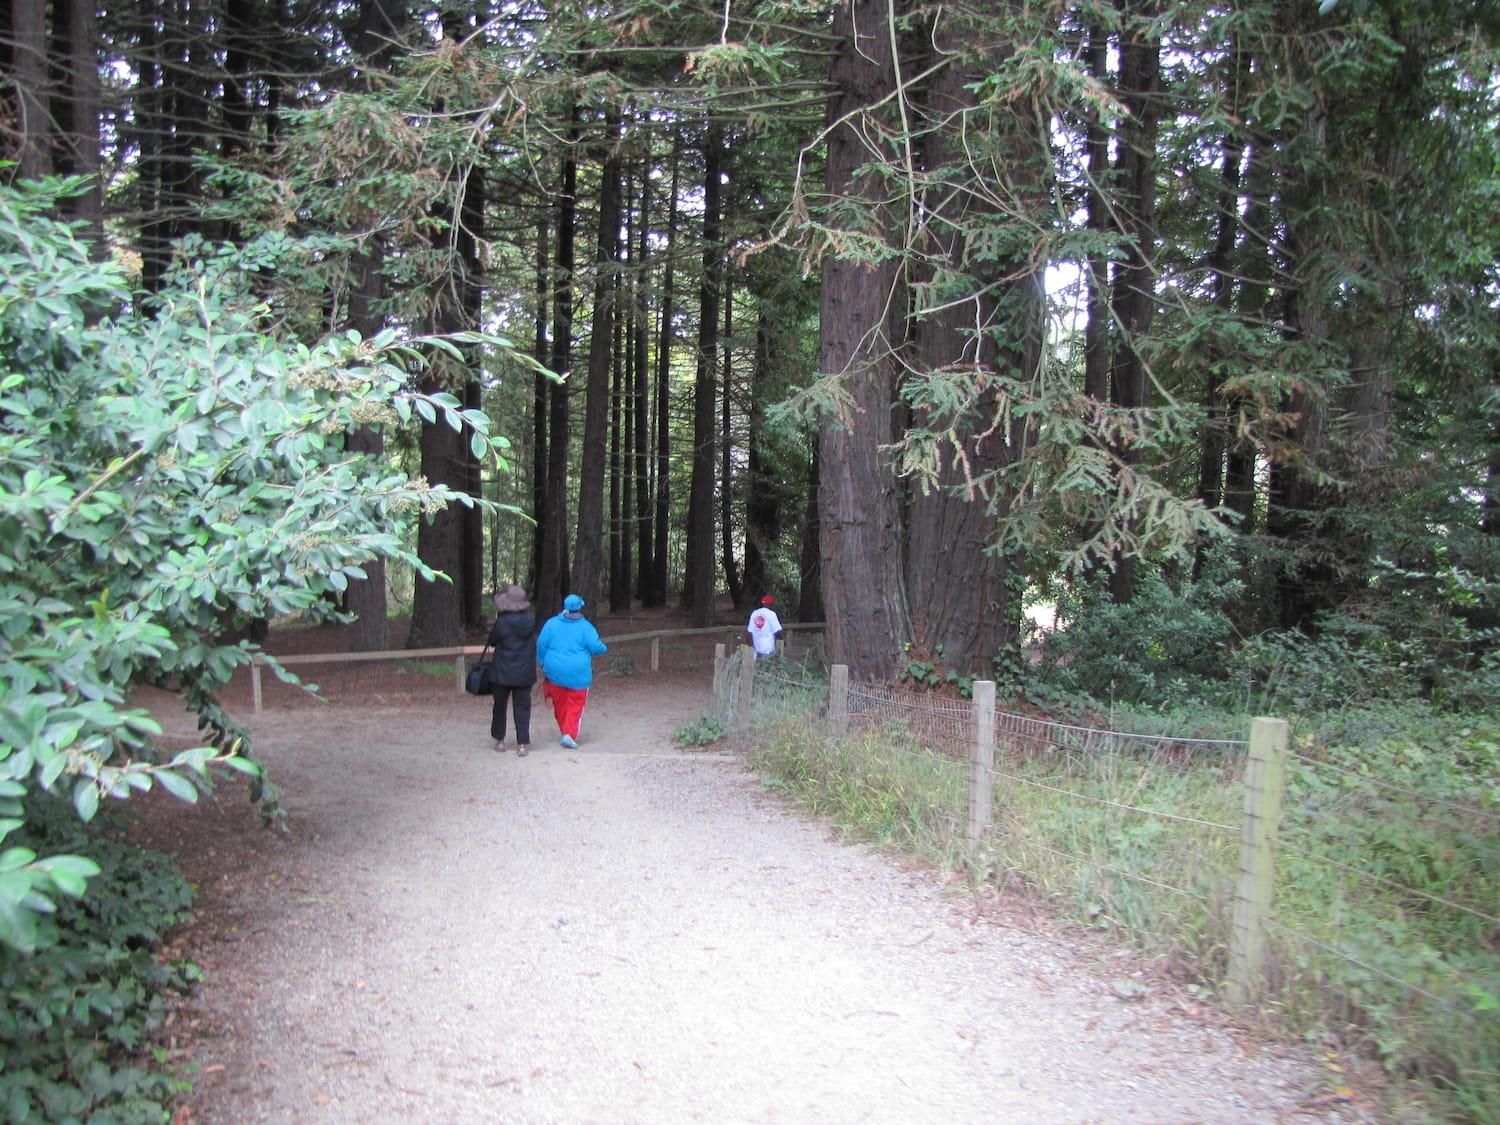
x,y
513,637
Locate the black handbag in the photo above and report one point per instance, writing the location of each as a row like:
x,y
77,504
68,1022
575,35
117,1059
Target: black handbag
x,y
480,680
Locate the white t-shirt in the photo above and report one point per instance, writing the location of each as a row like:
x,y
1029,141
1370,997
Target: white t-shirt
x,y
763,627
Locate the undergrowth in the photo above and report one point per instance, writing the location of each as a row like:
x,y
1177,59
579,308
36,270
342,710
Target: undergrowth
x,y
1398,808
78,1015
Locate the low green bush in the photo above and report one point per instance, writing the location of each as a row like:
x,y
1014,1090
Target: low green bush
x,y
702,731
78,1015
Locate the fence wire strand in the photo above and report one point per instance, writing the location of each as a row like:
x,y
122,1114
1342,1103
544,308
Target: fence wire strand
x,y
1344,955
1116,804
1457,806
1136,875
1327,861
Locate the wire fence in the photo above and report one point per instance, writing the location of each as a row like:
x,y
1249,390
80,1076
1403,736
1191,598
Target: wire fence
x,y
1379,912
416,677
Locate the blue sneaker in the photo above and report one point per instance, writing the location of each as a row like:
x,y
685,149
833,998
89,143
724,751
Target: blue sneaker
x,y
567,740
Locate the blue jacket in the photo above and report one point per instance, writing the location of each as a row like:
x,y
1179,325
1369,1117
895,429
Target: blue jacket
x,y
566,650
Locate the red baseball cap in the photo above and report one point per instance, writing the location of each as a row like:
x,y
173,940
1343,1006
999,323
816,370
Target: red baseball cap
x,y
768,600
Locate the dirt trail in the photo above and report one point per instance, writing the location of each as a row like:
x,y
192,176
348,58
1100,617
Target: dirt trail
x,y
625,933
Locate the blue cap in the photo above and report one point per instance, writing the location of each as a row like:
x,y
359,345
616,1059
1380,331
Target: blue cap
x,y
572,603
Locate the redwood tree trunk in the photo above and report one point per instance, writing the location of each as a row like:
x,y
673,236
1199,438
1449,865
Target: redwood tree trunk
x,y
639,404
588,555
552,573
33,101
699,584
809,563
1134,294
964,609
726,459
663,497
366,597
539,387
860,531
762,494
451,541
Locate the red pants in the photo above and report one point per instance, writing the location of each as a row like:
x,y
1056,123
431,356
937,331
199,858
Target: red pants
x,y
567,705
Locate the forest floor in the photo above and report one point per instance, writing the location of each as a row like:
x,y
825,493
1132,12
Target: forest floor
x,y
628,932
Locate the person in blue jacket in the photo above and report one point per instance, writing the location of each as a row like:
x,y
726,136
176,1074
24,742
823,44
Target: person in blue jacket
x,y
566,649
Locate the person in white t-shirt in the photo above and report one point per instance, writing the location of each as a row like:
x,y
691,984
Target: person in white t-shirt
x,y
764,627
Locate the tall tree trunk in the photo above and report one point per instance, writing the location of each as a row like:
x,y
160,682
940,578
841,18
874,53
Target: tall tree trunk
x,y
663,498
726,458
539,386
809,562
1096,331
645,574
861,534
588,555
621,456
699,585
552,574
1134,293
1254,268
963,604
762,494
78,155
452,541
366,597
1212,439
149,119
33,99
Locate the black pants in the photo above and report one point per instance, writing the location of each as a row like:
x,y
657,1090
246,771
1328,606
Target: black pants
x,y
520,697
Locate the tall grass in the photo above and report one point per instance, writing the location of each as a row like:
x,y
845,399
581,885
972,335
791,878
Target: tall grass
x,y
1144,844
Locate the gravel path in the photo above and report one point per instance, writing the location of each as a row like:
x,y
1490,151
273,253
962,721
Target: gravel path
x,y
626,933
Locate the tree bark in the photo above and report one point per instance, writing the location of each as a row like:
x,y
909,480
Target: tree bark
x,y
366,597
621,455
964,609
726,458
1096,330
762,494
79,154
809,563
588,555
645,538
539,388
552,574
860,530
1134,291
1212,439
33,99
700,579
451,541
663,497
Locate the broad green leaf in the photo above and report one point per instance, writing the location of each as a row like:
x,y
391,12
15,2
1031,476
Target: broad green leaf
x,y
86,798
177,785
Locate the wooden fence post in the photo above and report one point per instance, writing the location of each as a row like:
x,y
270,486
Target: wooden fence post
x,y
838,700
1265,774
982,762
656,654
747,687
255,683
719,663
460,671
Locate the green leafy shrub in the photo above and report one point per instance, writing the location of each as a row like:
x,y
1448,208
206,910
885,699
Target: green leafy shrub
x,y
164,475
928,673
702,731
1131,653
78,1013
